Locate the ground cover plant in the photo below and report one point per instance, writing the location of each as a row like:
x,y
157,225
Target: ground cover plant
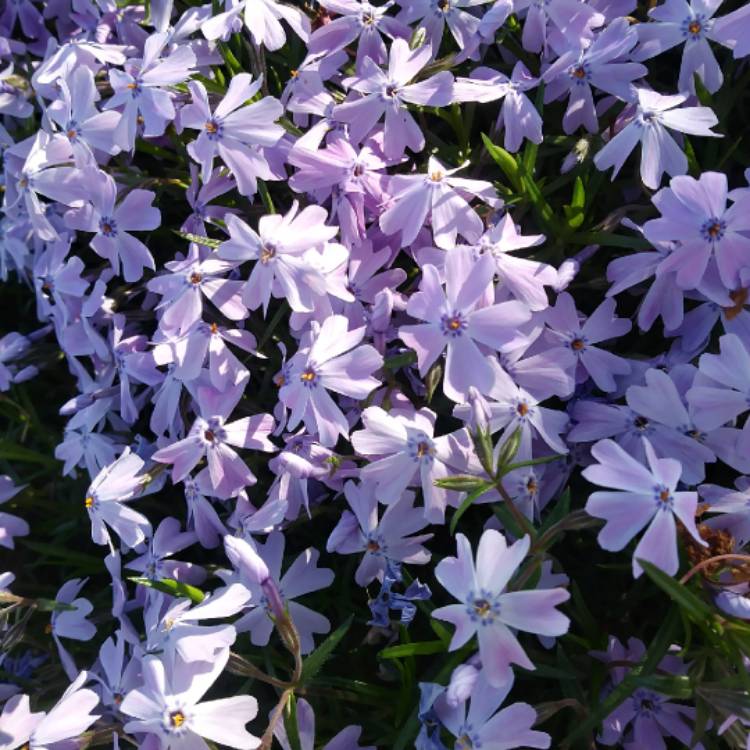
x,y
375,376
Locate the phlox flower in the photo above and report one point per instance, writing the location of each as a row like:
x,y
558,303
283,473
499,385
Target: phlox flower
x,y
10,526
694,215
141,89
86,128
112,223
459,320
646,718
689,23
191,279
654,117
169,706
260,572
388,93
346,739
71,622
480,724
645,496
211,437
59,727
335,360
233,131
115,484
280,247
490,612
263,20
580,338
602,65
381,540
439,194
358,20
552,24
388,600
518,116
404,450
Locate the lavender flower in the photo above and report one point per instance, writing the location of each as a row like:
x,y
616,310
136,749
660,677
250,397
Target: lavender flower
x,y
647,496
10,525
490,612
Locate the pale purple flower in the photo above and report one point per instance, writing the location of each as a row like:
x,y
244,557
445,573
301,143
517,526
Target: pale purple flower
x,y
388,93
303,576
69,718
211,437
690,23
117,483
10,525
112,223
434,15
346,739
518,116
234,132
460,319
722,392
524,278
387,539
645,496
87,129
357,20
483,725
191,279
335,360
581,338
263,20
554,23
441,195
141,89
155,564
199,195
403,450
280,248
57,278
695,217
654,116
168,705
202,516
602,65
488,611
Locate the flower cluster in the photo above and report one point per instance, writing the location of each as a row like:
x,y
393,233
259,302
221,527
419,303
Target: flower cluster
x,y
284,273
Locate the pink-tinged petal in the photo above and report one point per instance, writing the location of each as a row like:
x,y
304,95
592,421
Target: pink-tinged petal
x,y
498,648
136,212
684,507
436,91
350,373
329,418
457,615
430,301
242,88
452,215
456,574
383,433
392,474
228,471
224,720
405,63
511,727
184,455
334,339
534,611
658,545
496,562
361,114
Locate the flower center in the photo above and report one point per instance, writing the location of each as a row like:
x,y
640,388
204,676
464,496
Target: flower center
x,y
214,328
482,607
436,176
577,345
373,546
453,325
267,253
89,501
694,27
195,278
713,229
209,435
108,226
522,409
177,719
213,129
640,423
308,376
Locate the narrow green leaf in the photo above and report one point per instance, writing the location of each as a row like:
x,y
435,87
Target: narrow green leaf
x,y
505,161
531,462
198,239
14,452
314,663
290,724
462,483
173,588
678,592
421,648
508,451
467,503
575,211
400,360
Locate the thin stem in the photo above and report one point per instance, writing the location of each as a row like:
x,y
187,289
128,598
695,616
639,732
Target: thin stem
x,y
705,563
267,738
518,517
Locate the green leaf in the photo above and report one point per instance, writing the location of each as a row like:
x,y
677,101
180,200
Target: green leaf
x,y
574,212
431,382
314,663
290,724
508,451
400,360
421,648
14,452
265,197
467,503
173,588
198,239
696,608
531,462
461,483
505,161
